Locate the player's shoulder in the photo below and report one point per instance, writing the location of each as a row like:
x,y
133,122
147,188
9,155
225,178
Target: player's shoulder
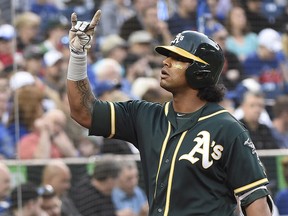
x,y
142,104
220,116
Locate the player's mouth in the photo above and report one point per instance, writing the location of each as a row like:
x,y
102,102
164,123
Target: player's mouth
x,y
164,74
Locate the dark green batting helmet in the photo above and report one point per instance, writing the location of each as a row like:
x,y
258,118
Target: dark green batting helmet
x,y
205,55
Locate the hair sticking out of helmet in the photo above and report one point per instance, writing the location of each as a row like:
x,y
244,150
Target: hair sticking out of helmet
x,y
206,55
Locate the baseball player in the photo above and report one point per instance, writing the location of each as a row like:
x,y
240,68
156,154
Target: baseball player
x,y
196,158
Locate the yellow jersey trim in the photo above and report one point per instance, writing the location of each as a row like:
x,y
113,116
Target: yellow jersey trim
x,y
163,147
211,115
112,108
252,185
170,179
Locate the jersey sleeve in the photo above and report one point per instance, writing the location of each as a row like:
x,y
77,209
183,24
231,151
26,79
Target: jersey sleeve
x,y
110,118
122,120
245,171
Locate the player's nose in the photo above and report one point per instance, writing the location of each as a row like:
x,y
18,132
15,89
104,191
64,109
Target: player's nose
x,y
167,61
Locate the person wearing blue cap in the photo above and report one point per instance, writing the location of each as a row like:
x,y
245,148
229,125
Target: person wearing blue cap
x,y
26,201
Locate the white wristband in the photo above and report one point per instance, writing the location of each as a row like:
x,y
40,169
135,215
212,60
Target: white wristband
x,y
77,67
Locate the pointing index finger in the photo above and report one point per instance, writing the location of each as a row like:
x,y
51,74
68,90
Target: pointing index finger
x,y
95,20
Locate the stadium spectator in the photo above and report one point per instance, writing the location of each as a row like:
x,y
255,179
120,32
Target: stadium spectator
x,y
25,201
5,187
54,74
142,84
7,35
28,98
92,195
137,66
157,28
252,105
33,60
266,64
27,25
241,41
140,43
184,18
51,203
54,31
134,23
114,47
88,146
280,121
285,40
147,88
281,21
110,70
7,151
218,9
127,194
140,65
115,13
6,8
57,174
110,90
248,85
116,146
253,11
48,139
281,197
47,10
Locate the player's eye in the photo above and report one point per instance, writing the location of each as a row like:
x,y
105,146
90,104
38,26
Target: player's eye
x,y
179,58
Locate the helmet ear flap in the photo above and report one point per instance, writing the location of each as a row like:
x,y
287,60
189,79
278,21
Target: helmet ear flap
x,y
198,76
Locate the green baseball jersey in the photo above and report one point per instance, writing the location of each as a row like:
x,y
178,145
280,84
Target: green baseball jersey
x,y
195,169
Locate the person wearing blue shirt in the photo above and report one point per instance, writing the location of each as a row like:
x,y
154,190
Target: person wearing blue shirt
x,y
266,64
128,195
185,18
281,198
7,149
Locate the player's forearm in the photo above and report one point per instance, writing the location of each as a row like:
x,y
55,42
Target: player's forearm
x,y
80,95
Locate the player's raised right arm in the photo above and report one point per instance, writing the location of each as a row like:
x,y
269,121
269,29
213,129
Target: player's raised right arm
x,y
80,95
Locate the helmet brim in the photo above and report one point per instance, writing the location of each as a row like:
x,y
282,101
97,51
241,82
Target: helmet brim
x,y
166,50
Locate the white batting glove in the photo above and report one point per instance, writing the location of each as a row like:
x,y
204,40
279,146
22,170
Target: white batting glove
x,y
81,33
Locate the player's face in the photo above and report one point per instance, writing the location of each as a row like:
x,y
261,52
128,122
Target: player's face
x,y
172,77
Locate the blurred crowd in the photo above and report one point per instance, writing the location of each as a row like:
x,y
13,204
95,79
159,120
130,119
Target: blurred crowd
x,y
122,65
111,189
